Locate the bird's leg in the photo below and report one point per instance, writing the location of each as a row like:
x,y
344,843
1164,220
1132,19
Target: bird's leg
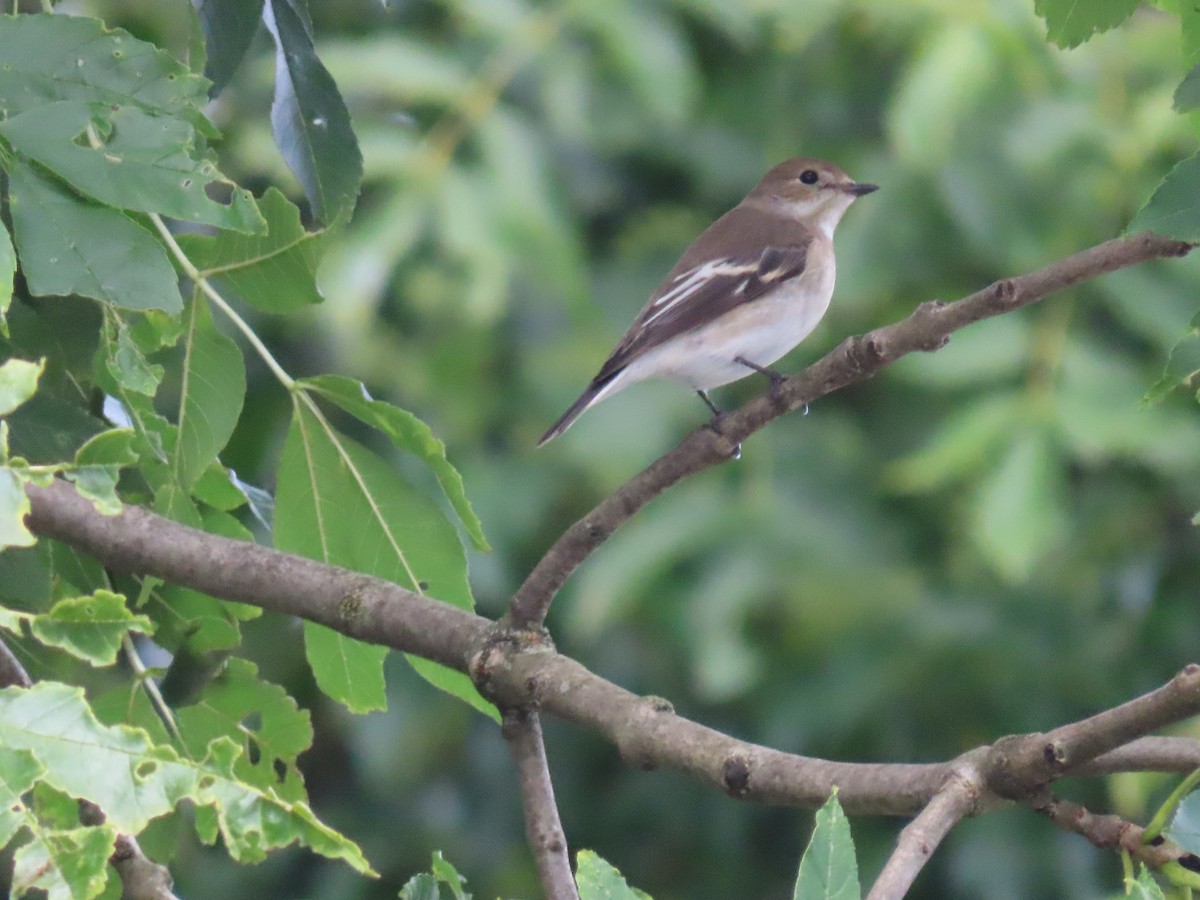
x,y
774,377
718,413
715,423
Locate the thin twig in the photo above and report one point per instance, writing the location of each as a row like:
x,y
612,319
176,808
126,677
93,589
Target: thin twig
x,y
957,799
1148,754
12,673
852,361
1115,833
543,828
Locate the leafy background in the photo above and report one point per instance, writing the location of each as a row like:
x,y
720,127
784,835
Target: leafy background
x,y
990,539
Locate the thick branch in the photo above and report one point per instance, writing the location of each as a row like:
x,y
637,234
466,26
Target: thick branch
x,y
1040,758
520,672
855,359
543,829
138,541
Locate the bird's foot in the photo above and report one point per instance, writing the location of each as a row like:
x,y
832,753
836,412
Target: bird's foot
x,y
715,422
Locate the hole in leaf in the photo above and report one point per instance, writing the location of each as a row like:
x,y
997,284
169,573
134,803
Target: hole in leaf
x,y
219,191
206,782
145,769
280,770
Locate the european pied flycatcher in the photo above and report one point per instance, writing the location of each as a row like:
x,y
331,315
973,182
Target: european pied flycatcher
x,y
749,289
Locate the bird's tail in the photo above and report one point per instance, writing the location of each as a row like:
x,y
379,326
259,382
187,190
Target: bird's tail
x,y
594,392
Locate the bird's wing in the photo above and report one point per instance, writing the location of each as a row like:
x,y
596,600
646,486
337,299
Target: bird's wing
x,y
700,294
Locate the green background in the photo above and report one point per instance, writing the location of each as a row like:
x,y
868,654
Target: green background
x,y
990,539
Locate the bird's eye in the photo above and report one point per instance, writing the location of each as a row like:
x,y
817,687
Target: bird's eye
x,y
809,176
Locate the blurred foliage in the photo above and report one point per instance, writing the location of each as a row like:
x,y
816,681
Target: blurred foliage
x,y
989,539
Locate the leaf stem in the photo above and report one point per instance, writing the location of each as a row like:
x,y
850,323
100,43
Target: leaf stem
x,y
1164,813
209,291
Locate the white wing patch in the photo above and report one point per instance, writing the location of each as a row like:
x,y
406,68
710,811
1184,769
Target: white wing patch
x,y
693,280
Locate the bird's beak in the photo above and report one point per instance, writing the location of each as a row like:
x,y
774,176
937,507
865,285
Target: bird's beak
x,y
858,189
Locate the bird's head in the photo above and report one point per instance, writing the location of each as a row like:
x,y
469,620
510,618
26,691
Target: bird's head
x,y
810,190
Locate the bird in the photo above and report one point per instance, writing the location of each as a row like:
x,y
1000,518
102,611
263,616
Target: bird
x,y
751,287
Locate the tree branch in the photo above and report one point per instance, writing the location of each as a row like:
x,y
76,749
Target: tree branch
x,y
1148,754
520,672
12,673
856,359
958,797
1041,758
1112,832
543,829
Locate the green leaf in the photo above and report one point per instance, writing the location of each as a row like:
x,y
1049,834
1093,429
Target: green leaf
x,y
407,432
97,467
1189,32
8,271
1173,210
25,574
1071,22
349,671
127,364
18,382
70,864
598,880
14,506
130,159
187,618
275,272
238,705
72,246
229,27
1182,367
828,870
421,887
53,808
1019,514
1185,823
19,771
339,503
444,872
1144,887
309,118
90,628
1187,95
216,487
50,57
211,395
133,780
